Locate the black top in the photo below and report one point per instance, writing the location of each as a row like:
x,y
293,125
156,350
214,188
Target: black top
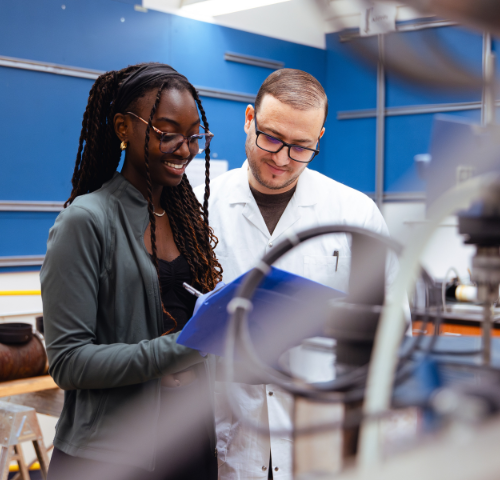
x,y
176,299
272,206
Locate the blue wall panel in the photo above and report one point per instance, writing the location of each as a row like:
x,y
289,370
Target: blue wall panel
x,y
348,146
350,158
352,86
42,113
198,51
86,33
40,132
229,141
461,46
407,136
352,83
25,233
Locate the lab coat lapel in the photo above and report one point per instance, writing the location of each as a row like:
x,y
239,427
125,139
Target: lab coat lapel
x,y
290,216
240,193
252,213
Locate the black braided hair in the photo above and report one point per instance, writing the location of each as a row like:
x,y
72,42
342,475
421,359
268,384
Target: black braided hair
x,y
207,156
98,157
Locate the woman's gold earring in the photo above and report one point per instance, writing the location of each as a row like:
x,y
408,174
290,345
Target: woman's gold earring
x,y
123,145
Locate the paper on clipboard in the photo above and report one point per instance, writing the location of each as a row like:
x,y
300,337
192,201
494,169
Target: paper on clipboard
x,y
281,296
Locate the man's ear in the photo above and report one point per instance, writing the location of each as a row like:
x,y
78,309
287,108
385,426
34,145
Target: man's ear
x,y
322,132
122,126
249,116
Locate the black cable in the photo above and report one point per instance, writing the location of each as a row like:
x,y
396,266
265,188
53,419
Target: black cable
x,y
357,376
242,303
328,392
406,357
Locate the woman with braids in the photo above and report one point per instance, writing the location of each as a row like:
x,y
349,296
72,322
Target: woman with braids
x,y
137,404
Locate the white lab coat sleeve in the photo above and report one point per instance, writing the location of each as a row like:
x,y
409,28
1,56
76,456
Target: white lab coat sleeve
x,y
199,192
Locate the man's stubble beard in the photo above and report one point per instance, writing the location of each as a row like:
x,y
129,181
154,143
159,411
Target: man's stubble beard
x,y
254,167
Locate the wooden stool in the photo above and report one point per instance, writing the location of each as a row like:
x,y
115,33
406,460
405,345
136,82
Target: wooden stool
x,y
19,424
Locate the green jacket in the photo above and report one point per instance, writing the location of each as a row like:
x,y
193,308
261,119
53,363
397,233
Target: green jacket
x,y
103,325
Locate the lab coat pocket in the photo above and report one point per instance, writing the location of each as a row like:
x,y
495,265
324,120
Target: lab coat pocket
x,y
331,271
223,421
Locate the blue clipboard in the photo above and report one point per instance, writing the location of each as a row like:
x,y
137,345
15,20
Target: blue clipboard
x,y
281,300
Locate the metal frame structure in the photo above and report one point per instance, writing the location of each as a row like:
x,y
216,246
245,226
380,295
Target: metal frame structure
x,y
34,206
21,261
33,65
488,101
380,142
382,111
403,27
412,110
254,61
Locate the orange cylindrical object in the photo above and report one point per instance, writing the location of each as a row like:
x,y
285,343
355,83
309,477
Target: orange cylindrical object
x,y
22,361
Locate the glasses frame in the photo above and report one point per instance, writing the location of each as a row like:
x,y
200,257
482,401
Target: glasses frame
x,y
208,135
283,144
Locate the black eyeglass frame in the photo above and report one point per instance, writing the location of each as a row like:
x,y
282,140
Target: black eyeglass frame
x,y
208,135
283,144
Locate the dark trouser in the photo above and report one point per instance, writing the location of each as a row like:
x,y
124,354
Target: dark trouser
x,y
66,467
194,459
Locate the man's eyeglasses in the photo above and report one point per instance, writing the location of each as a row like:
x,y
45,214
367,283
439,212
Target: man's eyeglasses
x,y
170,142
271,144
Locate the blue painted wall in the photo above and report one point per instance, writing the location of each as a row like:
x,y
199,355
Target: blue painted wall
x,y
349,145
42,113
351,85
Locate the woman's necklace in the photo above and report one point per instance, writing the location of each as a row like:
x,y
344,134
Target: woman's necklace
x,y
159,214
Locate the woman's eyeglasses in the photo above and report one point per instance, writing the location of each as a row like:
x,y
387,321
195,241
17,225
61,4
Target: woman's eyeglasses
x,y
170,142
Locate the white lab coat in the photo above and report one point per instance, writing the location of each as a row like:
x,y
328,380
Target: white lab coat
x,y
243,240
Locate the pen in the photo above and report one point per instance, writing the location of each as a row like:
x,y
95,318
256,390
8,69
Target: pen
x,y
192,290
336,254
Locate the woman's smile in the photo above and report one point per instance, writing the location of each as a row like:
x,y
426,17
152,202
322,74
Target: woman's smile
x,y
176,168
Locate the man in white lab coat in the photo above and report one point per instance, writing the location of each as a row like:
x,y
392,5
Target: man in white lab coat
x,y
251,209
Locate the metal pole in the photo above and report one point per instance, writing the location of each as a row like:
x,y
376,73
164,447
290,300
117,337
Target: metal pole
x,y
488,118
369,448
486,332
380,141
485,273
488,99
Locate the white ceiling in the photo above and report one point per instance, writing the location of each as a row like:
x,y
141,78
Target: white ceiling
x,y
299,21
340,14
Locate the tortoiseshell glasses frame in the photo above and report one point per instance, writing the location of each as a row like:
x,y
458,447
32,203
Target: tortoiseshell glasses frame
x,y
170,142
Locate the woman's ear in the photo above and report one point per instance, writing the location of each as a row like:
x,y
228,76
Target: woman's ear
x,y
122,126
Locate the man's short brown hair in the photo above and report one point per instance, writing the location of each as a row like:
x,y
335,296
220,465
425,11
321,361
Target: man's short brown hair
x,y
293,87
